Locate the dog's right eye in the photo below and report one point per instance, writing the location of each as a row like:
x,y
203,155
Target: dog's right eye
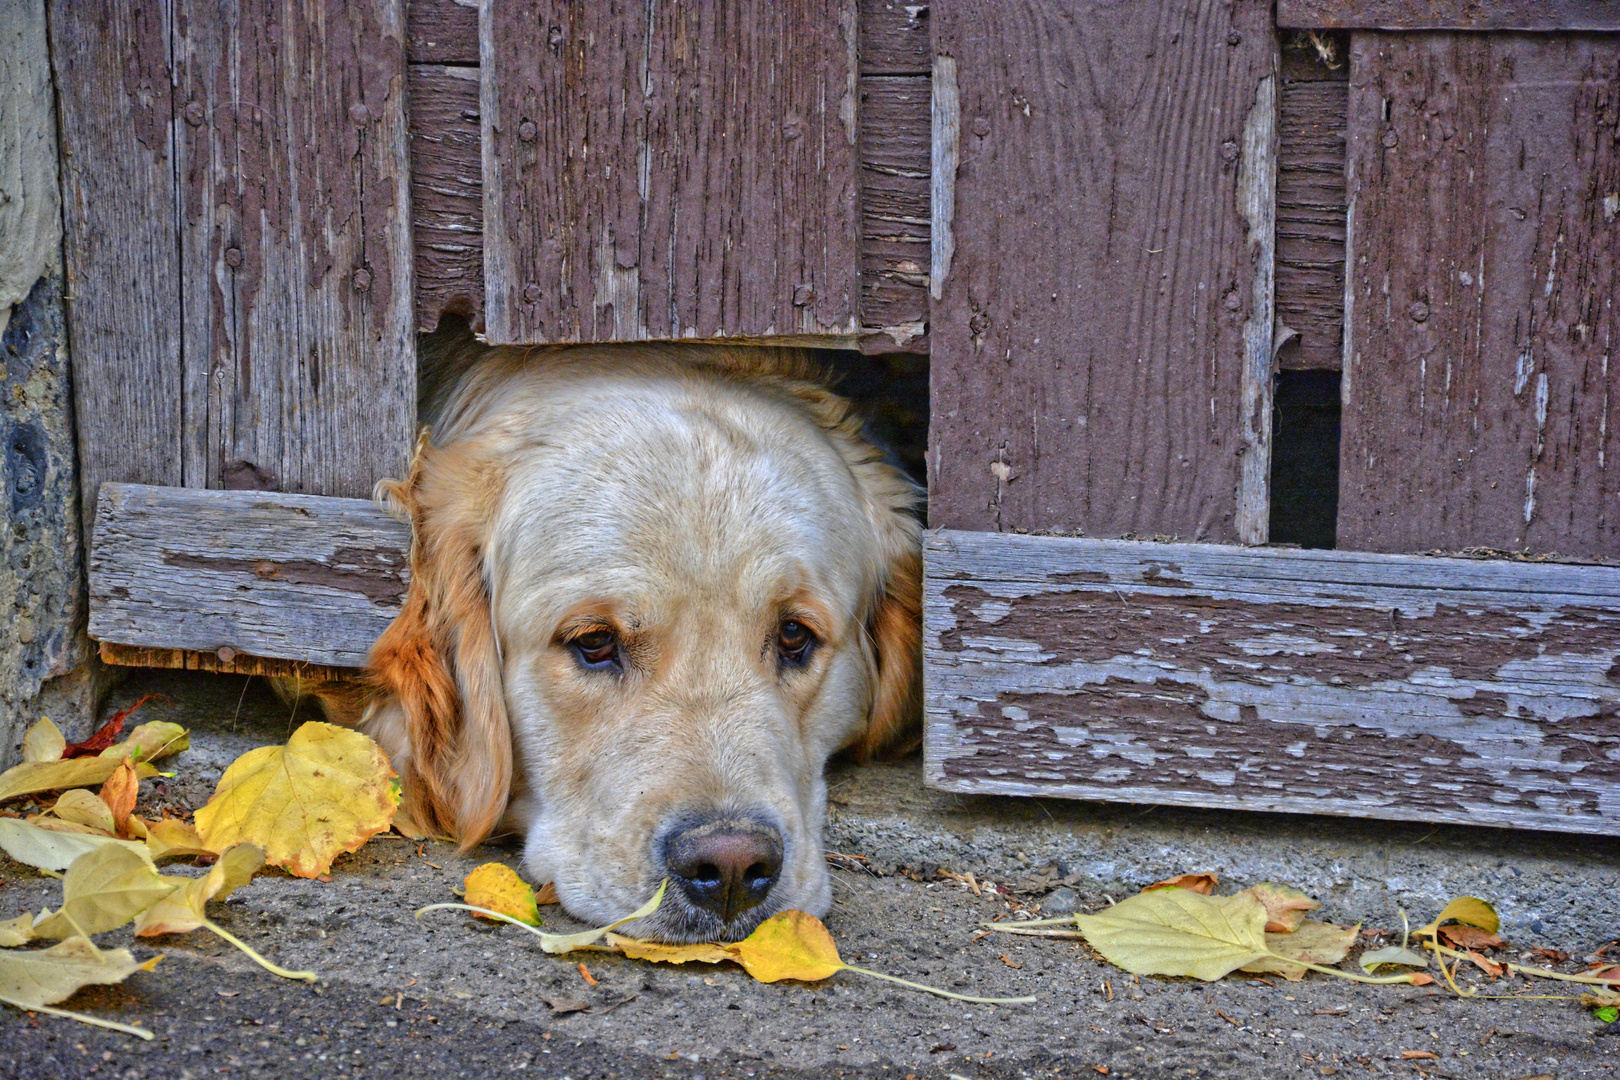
x,y
597,650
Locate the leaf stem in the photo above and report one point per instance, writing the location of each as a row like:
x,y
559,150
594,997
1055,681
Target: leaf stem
x,y
83,1018
1382,980
274,969
937,990
1540,973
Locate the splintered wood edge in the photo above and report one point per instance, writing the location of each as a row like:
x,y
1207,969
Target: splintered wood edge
x,y
233,664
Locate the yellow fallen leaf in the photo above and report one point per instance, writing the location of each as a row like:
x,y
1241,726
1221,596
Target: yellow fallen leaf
x,y
183,910
1392,954
1285,906
26,842
1179,932
36,776
497,887
43,742
149,742
103,890
81,807
1465,909
1202,883
18,931
1313,942
789,945
658,952
37,979
120,791
173,838
326,792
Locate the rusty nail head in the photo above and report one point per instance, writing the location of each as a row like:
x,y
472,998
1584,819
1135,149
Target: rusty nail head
x,y
194,114
233,256
1390,137
1419,311
531,294
1234,38
804,295
362,279
527,131
980,126
226,654
359,113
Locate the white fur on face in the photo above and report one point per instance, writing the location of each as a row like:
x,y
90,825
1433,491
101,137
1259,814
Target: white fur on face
x,y
692,523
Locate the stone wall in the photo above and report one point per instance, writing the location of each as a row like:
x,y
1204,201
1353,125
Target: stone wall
x,y
45,663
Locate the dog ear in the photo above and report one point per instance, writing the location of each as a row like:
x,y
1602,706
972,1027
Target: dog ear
x,y
896,629
439,660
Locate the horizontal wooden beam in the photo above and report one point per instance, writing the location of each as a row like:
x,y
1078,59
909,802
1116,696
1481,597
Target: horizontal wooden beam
x,y
1448,15
223,662
1401,687
262,574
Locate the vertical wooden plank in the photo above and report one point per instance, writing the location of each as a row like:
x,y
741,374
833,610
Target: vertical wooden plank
x,y
894,213
895,38
447,194
1101,340
1312,100
637,186
442,31
300,369
1482,375
111,64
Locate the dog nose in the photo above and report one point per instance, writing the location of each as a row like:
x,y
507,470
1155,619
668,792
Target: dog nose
x,y
725,865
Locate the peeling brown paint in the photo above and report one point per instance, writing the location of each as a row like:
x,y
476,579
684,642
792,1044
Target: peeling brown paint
x,y
369,573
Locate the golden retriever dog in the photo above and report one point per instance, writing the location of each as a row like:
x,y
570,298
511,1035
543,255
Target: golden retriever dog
x,y
653,589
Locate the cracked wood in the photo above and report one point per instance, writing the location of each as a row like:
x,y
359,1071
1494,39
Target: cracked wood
x,y
286,577
638,186
1482,374
1400,687
1102,338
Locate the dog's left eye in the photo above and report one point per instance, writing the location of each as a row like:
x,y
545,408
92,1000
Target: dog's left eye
x,y
794,642
597,650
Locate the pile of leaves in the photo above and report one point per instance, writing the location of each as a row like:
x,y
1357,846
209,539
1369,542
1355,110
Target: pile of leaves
x,y
296,807
1178,927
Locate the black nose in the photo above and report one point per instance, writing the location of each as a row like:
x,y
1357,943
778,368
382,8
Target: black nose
x,y
726,865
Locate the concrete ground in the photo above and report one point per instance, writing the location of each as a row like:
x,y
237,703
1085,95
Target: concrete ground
x,y
446,997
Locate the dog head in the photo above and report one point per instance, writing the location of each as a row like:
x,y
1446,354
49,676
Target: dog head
x,y
652,592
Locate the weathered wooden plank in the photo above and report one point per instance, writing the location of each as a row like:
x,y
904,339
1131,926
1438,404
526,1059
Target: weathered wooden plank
x,y
442,31
123,271
895,38
295,246
1402,687
1448,15
894,244
1311,210
447,194
1102,336
1485,259
294,577
663,196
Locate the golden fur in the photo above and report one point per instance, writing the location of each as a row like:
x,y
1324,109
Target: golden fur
x,y
687,498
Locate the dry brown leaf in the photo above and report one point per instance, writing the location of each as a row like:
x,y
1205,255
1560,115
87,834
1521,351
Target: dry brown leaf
x,y
120,792
1285,905
546,894
1201,883
1419,1055
1464,936
1489,967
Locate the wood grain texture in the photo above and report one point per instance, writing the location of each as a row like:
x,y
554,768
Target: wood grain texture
x,y
295,245
895,38
292,577
1448,14
635,189
894,242
119,216
1311,217
447,194
1481,378
1108,304
1399,687
442,31
229,664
